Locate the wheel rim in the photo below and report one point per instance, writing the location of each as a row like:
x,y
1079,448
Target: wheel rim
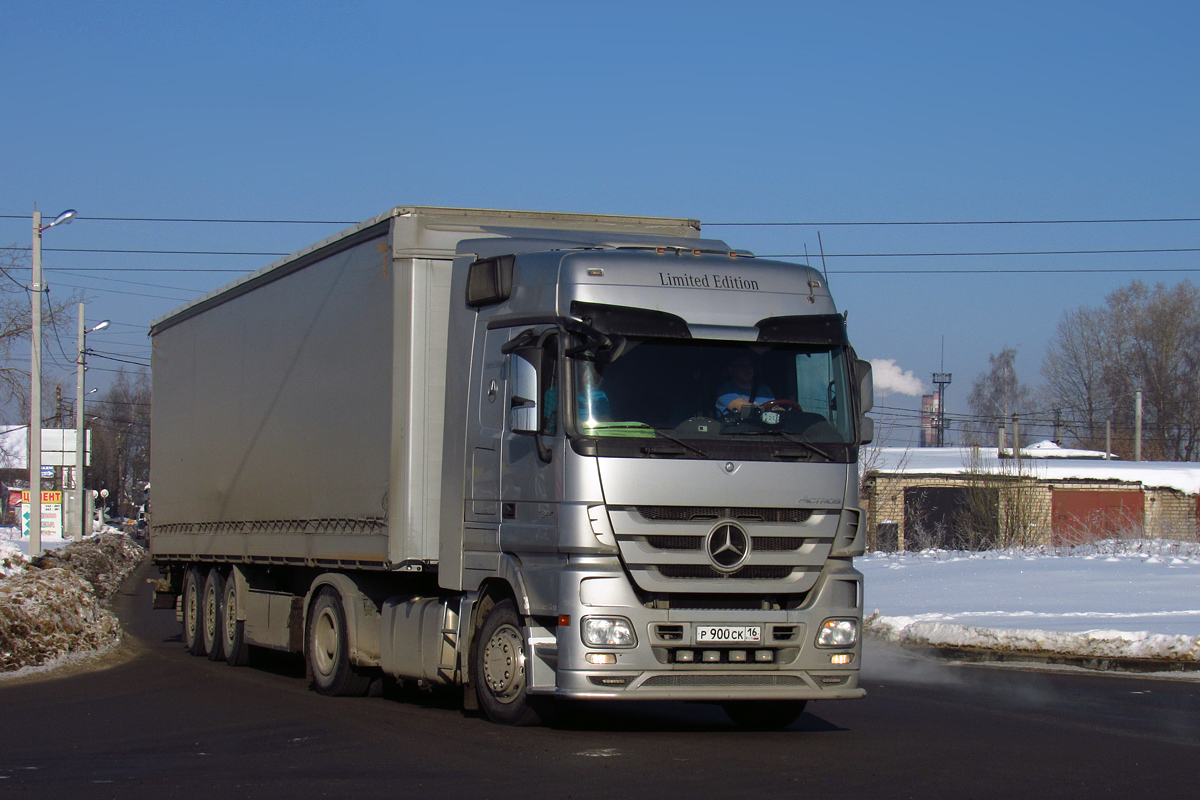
x,y
191,612
230,618
210,614
326,636
504,664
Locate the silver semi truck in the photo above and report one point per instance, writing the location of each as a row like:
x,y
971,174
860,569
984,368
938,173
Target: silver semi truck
x,y
533,455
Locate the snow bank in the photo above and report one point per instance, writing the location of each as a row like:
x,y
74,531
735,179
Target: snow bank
x,y
54,606
1088,644
11,559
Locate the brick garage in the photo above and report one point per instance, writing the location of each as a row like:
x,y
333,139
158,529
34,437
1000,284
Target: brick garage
x,y
971,498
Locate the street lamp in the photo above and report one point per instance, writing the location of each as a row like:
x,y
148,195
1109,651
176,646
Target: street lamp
x,y
101,495
35,382
77,495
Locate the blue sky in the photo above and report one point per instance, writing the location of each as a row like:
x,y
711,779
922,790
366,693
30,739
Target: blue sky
x,y
756,112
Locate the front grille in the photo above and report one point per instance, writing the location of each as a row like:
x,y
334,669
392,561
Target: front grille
x,y
690,513
766,544
678,513
723,680
759,572
675,542
777,544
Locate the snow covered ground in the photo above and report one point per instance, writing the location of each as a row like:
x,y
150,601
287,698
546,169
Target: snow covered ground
x,y
1113,599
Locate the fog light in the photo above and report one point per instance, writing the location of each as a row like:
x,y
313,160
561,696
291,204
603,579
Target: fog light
x,y
600,658
710,656
608,632
841,658
684,656
838,633
764,656
737,655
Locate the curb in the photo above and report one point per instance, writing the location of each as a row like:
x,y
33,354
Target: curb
x,y
980,655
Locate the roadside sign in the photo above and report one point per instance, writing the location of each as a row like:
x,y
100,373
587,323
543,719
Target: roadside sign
x,y
47,470
52,523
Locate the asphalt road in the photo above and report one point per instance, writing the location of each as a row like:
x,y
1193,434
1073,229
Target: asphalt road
x,y
164,724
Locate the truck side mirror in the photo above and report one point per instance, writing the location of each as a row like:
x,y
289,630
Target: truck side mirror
x,y
524,416
866,400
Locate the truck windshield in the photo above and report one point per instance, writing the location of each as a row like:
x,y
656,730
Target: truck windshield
x,y
765,400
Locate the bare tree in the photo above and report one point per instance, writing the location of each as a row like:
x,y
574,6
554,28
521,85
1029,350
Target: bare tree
x,y
1074,371
1143,338
121,441
995,396
15,324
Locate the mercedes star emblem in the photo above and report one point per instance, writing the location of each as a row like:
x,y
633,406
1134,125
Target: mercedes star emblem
x,y
728,545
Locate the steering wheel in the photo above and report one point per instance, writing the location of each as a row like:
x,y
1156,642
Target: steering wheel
x,y
789,404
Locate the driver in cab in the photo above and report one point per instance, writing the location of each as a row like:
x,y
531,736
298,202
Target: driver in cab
x,y
742,386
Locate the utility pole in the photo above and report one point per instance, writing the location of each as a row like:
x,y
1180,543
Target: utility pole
x,y
79,497
1137,426
35,395
1108,439
1058,426
35,381
1016,442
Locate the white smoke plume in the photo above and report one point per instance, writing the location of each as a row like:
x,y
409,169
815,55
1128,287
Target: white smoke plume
x,y
890,379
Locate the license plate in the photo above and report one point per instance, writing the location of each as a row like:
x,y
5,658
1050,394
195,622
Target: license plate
x,y
728,634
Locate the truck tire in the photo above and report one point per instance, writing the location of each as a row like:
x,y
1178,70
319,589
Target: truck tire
x,y
237,652
498,670
213,616
764,715
327,646
193,589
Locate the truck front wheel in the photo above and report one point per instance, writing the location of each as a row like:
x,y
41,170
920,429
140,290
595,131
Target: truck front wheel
x,y
193,589
499,673
328,649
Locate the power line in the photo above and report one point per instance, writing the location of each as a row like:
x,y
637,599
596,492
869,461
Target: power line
x,y
194,219
954,254
992,253
146,269
158,252
119,360
951,222
1047,271
840,223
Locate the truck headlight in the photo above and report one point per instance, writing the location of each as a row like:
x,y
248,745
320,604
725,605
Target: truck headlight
x,y
842,632
608,632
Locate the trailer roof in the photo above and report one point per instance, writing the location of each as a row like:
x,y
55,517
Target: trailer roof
x,y
454,224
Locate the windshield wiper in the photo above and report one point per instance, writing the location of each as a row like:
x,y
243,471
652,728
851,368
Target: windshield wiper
x,y
808,445
657,432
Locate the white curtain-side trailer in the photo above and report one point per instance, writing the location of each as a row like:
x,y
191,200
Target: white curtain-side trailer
x,y
535,455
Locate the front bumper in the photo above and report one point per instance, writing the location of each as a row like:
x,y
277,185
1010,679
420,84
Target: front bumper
x,y
655,668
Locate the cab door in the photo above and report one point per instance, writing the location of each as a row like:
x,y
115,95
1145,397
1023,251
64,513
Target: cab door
x,y
481,543
531,486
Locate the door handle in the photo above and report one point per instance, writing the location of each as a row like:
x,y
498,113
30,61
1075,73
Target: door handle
x,y
509,510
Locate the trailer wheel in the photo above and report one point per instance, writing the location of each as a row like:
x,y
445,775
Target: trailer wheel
x,y
237,652
213,616
193,586
498,670
327,646
764,715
